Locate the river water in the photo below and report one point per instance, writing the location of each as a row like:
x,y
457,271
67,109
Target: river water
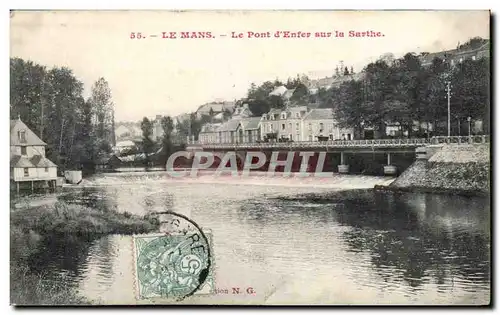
x,y
291,240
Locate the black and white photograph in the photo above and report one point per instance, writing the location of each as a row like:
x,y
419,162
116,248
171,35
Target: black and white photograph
x,y
232,157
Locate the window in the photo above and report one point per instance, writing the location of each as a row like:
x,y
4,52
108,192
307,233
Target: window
x,y
271,127
320,127
24,151
22,135
26,172
297,115
331,137
310,126
290,126
282,126
297,126
272,117
283,116
46,170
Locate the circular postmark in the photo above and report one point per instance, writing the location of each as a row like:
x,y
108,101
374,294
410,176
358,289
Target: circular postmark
x,y
176,263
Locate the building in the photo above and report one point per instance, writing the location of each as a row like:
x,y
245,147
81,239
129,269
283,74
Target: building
x,y
235,130
128,131
283,124
124,146
28,163
458,55
241,111
208,133
249,130
214,108
319,125
298,123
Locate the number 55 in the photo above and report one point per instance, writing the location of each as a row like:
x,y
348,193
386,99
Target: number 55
x,y
134,35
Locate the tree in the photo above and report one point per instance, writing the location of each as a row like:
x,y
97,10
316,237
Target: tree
x,y
167,125
259,107
147,142
51,103
348,105
103,110
300,94
470,84
408,76
226,114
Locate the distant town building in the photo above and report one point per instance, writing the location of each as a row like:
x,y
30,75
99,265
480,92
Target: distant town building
x,y
241,111
128,131
124,146
27,157
458,55
214,108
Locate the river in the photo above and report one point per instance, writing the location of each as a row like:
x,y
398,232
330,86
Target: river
x,y
291,240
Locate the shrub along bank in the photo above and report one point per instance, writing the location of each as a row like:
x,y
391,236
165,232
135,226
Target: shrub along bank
x,y
28,229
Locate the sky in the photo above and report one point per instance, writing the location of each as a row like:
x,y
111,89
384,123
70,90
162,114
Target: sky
x,y
156,76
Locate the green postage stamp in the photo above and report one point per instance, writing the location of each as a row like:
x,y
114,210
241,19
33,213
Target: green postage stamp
x,y
174,264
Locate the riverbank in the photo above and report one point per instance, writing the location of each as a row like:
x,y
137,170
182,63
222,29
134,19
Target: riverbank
x,y
30,226
453,169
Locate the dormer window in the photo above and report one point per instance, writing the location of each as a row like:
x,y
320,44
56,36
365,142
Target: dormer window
x,y
272,117
283,116
22,135
24,151
297,115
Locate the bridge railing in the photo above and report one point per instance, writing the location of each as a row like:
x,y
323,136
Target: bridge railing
x,y
315,144
403,142
461,139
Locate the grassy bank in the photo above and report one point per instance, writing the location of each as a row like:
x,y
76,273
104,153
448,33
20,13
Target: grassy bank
x,y
28,229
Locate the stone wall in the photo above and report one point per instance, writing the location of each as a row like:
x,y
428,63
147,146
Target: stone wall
x,y
453,168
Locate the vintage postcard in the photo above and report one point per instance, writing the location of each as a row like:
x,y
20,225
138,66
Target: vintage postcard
x,y
250,158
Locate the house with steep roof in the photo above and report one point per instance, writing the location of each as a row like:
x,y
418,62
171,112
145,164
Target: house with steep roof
x,y
28,163
249,130
283,123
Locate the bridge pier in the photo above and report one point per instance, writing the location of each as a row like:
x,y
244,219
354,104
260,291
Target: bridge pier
x,y
343,167
390,169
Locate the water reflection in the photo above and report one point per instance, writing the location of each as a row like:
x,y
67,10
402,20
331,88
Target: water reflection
x,y
296,243
417,237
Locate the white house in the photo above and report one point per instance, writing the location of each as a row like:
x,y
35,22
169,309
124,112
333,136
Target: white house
x,y
319,124
27,157
285,124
